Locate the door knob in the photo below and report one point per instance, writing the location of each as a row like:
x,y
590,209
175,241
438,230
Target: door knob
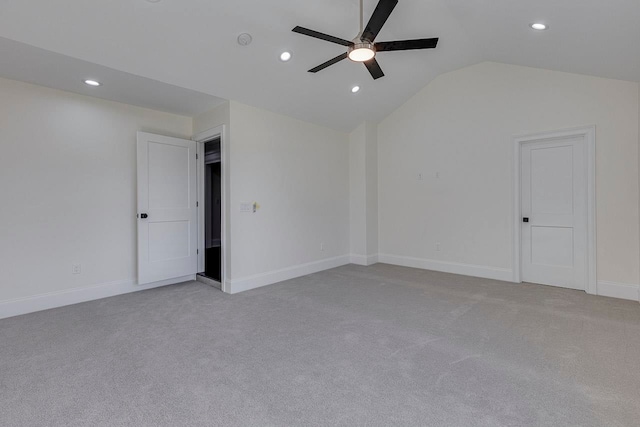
x,y
525,219
144,216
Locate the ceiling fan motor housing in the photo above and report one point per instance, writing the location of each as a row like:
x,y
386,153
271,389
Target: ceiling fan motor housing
x,y
361,51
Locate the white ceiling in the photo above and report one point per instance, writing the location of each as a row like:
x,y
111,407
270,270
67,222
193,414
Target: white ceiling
x,y
192,44
30,64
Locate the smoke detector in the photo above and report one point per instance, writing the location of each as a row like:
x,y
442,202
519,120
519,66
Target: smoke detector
x,y
244,39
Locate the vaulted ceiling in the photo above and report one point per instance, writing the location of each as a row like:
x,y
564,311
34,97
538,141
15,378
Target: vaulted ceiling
x,y
192,44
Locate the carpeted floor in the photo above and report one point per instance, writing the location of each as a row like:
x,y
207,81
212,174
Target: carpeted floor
x,y
352,346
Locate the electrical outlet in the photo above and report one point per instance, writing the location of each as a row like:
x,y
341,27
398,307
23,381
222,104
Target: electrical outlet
x,y
438,247
419,177
321,246
76,269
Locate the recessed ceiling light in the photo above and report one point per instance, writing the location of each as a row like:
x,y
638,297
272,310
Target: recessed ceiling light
x,y
92,82
355,89
153,1
285,56
539,26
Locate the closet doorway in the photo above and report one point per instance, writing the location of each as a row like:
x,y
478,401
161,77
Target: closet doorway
x,y
213,210
212,202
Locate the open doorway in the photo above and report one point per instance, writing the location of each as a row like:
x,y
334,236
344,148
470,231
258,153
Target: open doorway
x,y
212,201
212,211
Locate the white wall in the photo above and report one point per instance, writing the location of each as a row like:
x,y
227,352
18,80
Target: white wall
x,y
68,181
358,192
363,193
371,161
212,118
68,185
299,174
68,188
462,126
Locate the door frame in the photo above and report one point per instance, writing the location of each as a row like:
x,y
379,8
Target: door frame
x,y
589,135
201,138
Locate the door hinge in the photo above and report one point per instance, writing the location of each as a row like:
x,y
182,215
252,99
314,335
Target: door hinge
x,y
196,157
197,251
197,204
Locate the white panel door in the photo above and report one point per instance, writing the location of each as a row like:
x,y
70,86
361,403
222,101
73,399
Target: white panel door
x,y
554,212
167,209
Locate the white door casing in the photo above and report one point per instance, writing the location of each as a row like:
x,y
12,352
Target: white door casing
x,y
201,138
555,191
167,194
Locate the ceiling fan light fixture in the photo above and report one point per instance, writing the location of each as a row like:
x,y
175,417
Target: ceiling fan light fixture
x,y
538,26
361,52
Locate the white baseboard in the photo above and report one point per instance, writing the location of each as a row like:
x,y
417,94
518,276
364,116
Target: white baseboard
x,y
619,290
18,306
363,259
449,267
256,281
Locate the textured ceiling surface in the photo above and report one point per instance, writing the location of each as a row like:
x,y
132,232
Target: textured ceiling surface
x,y
192,44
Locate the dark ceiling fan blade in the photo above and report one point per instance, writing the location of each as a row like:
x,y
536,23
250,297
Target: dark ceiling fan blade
x,y
374,68
406,45
329,63
379,17
321,36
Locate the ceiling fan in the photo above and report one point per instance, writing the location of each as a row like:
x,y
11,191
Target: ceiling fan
x,y
362,48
